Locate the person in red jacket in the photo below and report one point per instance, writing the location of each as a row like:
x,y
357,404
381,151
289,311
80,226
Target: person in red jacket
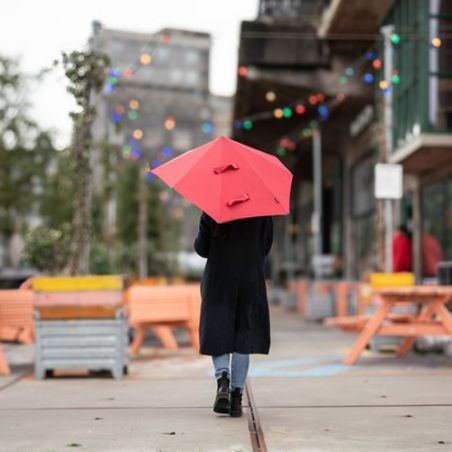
x,y
432,254
402,250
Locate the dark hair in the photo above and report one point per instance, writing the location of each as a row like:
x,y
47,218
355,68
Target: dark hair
x,y
404,228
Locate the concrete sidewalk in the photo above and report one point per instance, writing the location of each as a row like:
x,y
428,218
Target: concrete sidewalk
x,y
306,401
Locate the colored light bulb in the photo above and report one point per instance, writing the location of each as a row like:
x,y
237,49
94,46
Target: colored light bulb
x,y
243,71
300,109
368,77
287,112
395,79
132,115
247,125
270,96
376,64
278,113
395,38
145,59
436,42
134,104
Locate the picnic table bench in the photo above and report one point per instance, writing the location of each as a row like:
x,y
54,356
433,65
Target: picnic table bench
x,y
431,317
162,307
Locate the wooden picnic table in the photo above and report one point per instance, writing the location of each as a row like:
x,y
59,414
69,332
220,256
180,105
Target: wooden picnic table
x,y
431,318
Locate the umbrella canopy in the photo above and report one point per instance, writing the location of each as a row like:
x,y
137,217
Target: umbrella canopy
x,y
229,180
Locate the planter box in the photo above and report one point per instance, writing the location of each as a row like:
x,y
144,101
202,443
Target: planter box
x,y
319,302
93,344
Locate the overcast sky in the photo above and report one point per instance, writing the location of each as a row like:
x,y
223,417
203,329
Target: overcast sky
x,y
37,31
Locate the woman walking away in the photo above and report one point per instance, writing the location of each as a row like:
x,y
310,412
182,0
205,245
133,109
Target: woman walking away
x,y
235,319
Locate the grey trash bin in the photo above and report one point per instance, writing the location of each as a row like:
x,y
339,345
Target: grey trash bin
x,y
93,344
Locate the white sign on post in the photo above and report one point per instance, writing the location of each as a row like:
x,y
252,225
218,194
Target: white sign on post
x,y
388,181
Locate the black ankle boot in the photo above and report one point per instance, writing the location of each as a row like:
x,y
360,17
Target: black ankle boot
x,y
221,404
235,409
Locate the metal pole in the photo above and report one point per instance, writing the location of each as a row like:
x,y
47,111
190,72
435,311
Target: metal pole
x,y
386,32
388,236
317,215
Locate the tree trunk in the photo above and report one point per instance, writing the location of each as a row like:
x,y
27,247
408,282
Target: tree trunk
x,y
79,263
142,228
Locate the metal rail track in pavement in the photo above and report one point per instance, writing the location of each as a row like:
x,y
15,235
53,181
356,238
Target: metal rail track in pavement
x,y
254,423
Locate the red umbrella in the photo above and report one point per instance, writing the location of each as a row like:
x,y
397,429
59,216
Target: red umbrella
x,y
229,180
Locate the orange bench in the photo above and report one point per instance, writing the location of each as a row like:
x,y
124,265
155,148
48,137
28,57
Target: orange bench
x,y
161,308
16,315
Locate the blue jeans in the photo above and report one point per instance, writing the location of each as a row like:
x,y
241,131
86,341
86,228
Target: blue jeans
x,y
239,368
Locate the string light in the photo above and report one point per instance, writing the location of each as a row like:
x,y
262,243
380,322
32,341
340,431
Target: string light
x,y
281,152
287,112
323,111
312,100
145,59
383,84
436,42
170,122
207,128
395,38
138,134
116,117
368,77
132,115
376,63
320,98
278,113
127,73
343,79
247,125
150,177
120,110
349,72
300,109
134,104
395,79
243,71
340,97
371,55
167,152
136,154
270,96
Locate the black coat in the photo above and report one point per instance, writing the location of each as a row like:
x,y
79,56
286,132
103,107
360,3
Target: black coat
x,y
234,309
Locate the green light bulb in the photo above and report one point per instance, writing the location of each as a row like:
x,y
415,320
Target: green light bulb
x,y
248,125
287,112
395,79
395,38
